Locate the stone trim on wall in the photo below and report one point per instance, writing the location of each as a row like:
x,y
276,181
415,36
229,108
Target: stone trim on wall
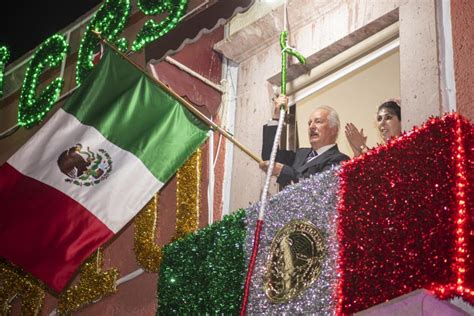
x,y
321,31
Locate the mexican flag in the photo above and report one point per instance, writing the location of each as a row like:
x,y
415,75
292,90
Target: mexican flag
x,y
88,171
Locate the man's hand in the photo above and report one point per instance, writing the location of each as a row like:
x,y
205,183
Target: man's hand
x,y
276,168
281,100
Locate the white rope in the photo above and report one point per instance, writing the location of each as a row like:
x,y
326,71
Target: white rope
x,y
218,150
287,48
130,276
122,280
271,164
276,141
9,131
211,178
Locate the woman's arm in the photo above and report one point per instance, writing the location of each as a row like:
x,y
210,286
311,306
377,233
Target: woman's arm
x,y
357,139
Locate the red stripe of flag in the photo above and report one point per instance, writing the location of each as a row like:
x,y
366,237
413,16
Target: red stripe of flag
x,y
43,230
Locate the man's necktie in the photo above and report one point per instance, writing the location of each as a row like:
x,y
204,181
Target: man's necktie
x,y
311,156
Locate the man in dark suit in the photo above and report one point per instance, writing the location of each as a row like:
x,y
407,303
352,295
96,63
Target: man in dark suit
x,y
323,128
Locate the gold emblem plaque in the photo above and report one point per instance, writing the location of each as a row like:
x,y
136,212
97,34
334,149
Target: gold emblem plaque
x,y
295,260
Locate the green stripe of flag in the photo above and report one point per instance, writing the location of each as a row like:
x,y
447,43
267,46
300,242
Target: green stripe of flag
x,y
134,113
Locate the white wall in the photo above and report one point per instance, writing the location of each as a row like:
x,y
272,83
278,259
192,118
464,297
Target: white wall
x,y
355,97
318,29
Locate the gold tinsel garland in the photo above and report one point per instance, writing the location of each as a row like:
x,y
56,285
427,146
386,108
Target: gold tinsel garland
x,y
92,286
15,283
147,253
188,196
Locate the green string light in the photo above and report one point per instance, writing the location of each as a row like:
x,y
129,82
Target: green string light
x,y
32,109
109,21
4,57
151,30
122,45
153,7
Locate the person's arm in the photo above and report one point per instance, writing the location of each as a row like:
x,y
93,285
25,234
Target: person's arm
x,y
269,132
270,129
284,158
357,139
287,175
284,173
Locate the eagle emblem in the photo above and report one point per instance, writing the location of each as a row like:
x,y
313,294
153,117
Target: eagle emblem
x,y
84,167
295,260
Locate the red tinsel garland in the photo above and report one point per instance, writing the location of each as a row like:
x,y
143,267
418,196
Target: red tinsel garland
x,y
406,217
469,278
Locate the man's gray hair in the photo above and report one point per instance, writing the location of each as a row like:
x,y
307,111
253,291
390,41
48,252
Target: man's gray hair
x,y
333,117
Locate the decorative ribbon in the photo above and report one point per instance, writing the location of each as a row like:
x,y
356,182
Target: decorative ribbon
x,y
285,50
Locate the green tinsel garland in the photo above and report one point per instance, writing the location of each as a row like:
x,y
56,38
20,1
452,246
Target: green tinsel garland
x,y
204,272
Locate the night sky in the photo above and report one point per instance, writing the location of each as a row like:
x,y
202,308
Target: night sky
x,y
26,24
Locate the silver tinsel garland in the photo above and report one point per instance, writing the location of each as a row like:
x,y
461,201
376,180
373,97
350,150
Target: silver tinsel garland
x,y
314,199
